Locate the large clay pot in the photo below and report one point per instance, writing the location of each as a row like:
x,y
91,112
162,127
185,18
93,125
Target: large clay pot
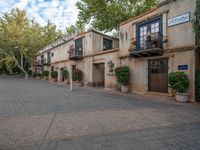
x,y
54,80
77,83
182,97
125,89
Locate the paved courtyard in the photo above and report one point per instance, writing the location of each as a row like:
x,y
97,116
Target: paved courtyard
x,y
36,115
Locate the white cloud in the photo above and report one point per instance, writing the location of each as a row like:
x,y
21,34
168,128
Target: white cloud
x,y
63,13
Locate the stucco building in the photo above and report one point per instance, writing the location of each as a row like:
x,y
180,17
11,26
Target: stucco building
x,y
158,42
153,44
91,52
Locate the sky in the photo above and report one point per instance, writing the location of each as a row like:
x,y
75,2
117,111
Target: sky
x,y
62,13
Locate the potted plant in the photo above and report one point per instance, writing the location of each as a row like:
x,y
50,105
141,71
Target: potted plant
x,y
179,82
45,74
54,75
118,83
30,72
65,75
123,77
133,41
34,74
39,75
148,36
78,77
154,40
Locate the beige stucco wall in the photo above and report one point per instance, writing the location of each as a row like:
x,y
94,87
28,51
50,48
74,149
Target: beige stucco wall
x,y
180,35
98,41
61,52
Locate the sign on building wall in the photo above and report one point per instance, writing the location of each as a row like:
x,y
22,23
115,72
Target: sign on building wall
x,y
179,19
182,67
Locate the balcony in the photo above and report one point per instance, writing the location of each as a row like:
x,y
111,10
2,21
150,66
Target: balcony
x,y
75,54
43,62
151,46
46,62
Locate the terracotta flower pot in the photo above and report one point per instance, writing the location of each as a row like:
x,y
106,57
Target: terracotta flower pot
x,y
182,97
133,41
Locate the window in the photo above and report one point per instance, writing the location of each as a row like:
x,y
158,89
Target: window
x,y
42,59
52,68
79,47
143,35
52,54
79,44
126,36
48,57
148,27
107,44
155,27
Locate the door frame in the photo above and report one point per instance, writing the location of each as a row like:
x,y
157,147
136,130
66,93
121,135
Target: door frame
x,y
149,72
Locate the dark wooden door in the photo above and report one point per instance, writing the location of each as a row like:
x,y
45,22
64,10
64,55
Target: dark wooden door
x,y
158,75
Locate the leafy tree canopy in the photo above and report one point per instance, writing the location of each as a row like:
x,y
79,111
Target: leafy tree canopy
x,y
77,28
21,38
106,15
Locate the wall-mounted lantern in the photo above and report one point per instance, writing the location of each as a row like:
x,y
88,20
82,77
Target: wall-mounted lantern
x,y
111,66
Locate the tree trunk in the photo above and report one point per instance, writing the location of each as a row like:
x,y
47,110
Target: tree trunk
x,y
21,67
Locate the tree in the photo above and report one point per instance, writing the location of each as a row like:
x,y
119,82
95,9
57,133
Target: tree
x,y
21,38
196,20
71,30
77,28
106,15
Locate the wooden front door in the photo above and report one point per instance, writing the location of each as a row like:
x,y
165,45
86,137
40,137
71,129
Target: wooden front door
x,y
158,75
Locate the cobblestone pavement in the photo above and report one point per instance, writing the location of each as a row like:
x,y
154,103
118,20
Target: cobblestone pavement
x,y
36,115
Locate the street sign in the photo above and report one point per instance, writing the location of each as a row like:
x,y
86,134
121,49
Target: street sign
x,y
182,67
179,19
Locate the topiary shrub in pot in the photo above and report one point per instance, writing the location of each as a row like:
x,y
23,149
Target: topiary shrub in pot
x,y
123,76
65,75
39,75
116,73
45,74
197,85
54,75
78,77
30,72
179,82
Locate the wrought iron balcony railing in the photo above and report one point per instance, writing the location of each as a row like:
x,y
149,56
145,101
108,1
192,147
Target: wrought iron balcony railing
x,y
151,45
75,54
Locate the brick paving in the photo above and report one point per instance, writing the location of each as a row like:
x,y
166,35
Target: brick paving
x,y
39,115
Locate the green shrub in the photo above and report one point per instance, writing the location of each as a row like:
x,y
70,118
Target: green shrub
x,y
30,72
77,75
65,74
39,74
45,73
54,74
197,85
179,81
34,74
123,75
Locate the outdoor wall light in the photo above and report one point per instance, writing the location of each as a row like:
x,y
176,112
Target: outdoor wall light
x,y
111,66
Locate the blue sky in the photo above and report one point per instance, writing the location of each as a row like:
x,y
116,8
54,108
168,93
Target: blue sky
x,y
61,12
